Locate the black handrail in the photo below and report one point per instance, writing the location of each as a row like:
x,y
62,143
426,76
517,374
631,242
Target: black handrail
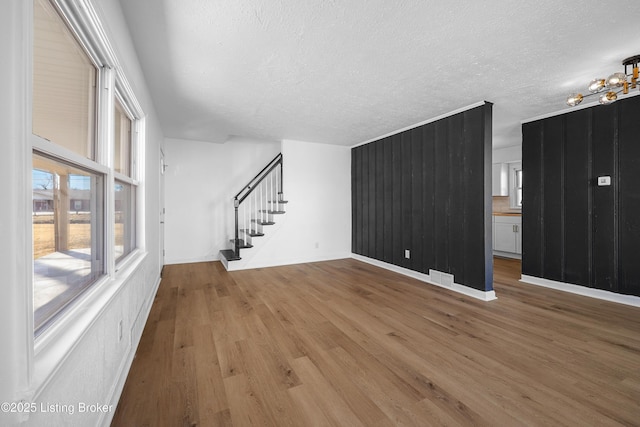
x,y
248,189
260,177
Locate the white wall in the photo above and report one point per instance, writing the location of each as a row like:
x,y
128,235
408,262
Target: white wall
x,y
507,154
200,182
84,362
317,225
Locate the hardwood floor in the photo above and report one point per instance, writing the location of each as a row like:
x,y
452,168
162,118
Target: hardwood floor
x,y
346,343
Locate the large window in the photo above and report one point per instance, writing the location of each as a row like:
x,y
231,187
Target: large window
x,y
68,229
78,238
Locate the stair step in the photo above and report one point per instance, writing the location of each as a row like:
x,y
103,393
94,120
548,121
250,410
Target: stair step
x,y
273,212
278,201
230,255
261,222
241,244
252,233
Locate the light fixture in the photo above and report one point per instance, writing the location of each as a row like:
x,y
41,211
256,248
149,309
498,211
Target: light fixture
x,y
614,84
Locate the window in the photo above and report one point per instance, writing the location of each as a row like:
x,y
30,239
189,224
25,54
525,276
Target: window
x,y
125,224
78,238
515,184
122,136
68,229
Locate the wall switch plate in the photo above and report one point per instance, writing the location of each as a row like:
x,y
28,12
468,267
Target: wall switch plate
x,y
407,254
604,180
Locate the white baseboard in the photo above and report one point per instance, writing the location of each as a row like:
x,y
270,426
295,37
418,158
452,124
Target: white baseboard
x,y
582,290
456,287
191,260
239,265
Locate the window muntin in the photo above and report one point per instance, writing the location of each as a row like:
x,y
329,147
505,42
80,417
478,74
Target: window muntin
x,y
122,140
68,233
64,84
125,219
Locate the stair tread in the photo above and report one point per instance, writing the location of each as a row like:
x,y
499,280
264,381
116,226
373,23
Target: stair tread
x,y
252,233
241,244
278,201
229,255
257,221
273,212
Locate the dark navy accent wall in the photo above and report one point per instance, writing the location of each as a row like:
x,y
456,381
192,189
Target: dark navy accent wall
x,y
428,190
573,230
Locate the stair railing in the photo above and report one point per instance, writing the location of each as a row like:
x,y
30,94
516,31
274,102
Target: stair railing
x,y
268,183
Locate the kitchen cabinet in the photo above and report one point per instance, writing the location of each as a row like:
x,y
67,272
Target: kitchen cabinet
x,y
500,179
507,235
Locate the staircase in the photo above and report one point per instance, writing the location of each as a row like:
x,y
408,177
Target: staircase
x,y
256,207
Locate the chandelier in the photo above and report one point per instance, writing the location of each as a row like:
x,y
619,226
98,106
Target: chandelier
x,y
610,87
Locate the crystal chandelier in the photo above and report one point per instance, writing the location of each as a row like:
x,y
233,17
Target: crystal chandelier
x,y
610,88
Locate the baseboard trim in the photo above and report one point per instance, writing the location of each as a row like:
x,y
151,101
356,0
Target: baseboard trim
x,y
582,290
456,287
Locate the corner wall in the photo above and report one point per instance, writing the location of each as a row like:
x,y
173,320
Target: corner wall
x,y
200,182
317,225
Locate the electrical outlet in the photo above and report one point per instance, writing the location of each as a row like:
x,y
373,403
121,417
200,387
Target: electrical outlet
x,y
407,254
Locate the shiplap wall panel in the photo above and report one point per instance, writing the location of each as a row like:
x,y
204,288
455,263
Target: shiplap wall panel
x,y
426,190
574,230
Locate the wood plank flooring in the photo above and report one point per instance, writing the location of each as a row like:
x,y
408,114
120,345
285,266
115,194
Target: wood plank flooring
x,y
345,343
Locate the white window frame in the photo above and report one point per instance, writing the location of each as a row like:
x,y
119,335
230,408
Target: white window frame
x,y
513,182
47,351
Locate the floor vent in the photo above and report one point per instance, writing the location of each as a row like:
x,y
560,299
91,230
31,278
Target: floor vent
x,y
441,278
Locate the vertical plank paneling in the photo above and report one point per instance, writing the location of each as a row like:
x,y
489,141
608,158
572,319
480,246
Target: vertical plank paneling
x,y
365,200
373,202
604,249
629,196
532,169
417,195
356,201
456,171
388,201
441,191
379,147
396,251
429,201
407,226
426,190
476,161
600,224
552,157
577,189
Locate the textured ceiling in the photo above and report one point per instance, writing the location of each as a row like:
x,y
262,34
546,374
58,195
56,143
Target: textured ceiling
x,y
343,72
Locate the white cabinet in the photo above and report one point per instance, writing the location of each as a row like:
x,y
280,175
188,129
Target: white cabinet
x,y
507,234
500,179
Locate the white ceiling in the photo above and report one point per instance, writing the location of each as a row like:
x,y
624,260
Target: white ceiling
x,y
343,72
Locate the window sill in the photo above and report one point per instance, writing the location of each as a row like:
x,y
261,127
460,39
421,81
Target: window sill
x,y
55,344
